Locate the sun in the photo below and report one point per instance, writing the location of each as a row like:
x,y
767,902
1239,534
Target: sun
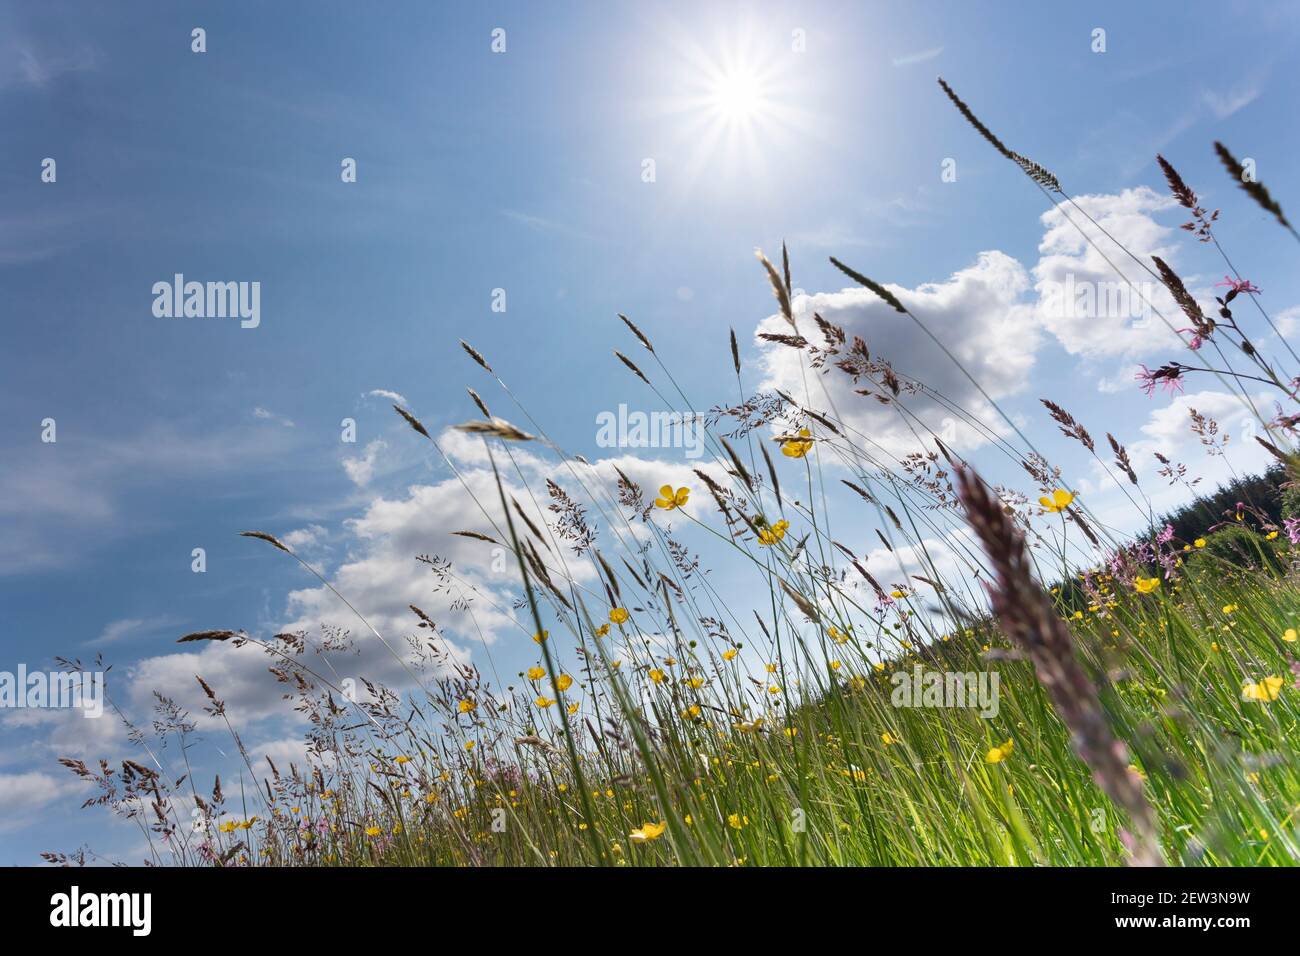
x,y
737,94
734,101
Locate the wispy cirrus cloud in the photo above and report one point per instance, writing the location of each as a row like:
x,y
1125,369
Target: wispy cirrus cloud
x,y
920,56
26,65
129,627
1224,104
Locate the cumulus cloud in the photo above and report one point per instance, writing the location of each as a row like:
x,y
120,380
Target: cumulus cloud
x,y
41,734
979,313
284,751
302,539
1168,431
1168,428
1081,300
382,577
24,793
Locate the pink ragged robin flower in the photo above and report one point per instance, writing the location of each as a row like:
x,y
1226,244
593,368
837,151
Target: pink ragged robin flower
x,y
1171,376
1237,286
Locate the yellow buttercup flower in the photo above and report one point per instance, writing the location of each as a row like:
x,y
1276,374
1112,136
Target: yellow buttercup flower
x,y
1145,585
647,832
1270,536
466,706
543,702
797,447
1199,542
1266,690
602,630
770,536
670,499
656,675
536,673
618,615
541,636
1000,752
373,831
1059,501
573,708
401,760
888,739
1289,635
563,682
736,821
730,653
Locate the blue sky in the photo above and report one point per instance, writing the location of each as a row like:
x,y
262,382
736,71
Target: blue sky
x,y
523,171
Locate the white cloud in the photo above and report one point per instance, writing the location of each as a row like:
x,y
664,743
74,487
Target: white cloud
x,y
1223,105
1288,321
921,56
269,416
124,628
63,498
385,393
301,539
1090,309
27,66
979,315
1167,430
1122,380
283,752
47,733
361,470
22,794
